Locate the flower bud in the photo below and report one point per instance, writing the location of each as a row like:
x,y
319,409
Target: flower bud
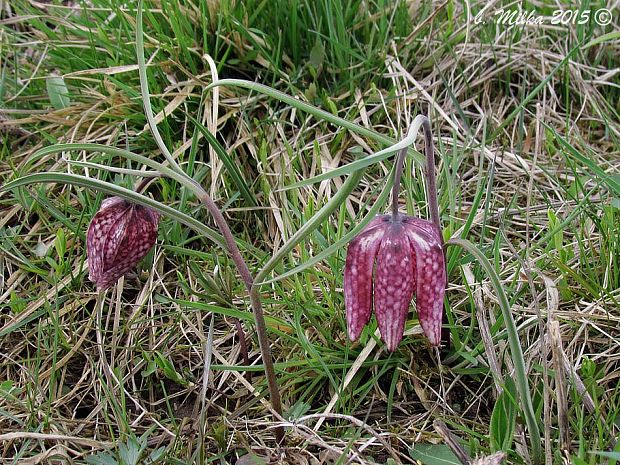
x,y
120,234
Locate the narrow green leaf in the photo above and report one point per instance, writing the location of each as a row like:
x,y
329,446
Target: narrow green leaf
x,y
230,166
407,142
146,96
113,151
610,36
113,189
516,352
344,170
504,418
317,112
534,92
611,180
308,228
372,212
609,455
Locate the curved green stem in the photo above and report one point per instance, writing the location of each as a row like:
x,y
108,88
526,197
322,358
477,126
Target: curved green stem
x,y
516,352
207,201
431,183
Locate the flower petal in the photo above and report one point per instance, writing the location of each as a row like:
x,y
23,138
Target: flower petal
x,y
430,273
139,238
119,236
394,284
358,275
111,217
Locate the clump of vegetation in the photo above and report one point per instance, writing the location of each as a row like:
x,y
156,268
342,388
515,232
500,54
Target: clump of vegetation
x,y
281,114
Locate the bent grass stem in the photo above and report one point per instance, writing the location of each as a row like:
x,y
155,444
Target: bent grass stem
x,y
212,208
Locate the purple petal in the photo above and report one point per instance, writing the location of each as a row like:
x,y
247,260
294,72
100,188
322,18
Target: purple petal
x,y
119,236
394,284
430,276
358,275
111,212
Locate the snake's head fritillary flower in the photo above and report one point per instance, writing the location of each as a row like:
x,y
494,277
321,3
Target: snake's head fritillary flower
x,y
120,234
395,258
392,260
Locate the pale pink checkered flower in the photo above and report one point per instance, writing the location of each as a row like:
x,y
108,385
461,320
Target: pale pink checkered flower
x,y
395,258
407,258
120,234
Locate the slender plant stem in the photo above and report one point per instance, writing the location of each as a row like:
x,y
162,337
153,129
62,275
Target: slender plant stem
x,y
142,185
431,192
207,201
257,309
400,165
433,206
242,343
431,183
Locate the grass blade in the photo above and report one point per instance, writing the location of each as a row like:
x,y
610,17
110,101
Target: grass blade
x,y
533,94
516,352
316,220
113,189
372,212
318,113
610,181
229,164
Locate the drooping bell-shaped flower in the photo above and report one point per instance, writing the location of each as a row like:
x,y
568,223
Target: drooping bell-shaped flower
x,y
120,234
393,259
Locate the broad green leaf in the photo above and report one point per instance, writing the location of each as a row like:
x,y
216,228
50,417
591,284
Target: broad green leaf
x,y
167,367
504,418
129,453
57,92
101,458
156,455
434,454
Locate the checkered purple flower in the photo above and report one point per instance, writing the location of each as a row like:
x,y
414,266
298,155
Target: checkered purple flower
x,y
397,257
387,264
120,234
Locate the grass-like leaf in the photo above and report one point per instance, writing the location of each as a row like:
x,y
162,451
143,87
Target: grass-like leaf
x,y
611,181
317,219
58,92
345,239
516,352
229,164
113,189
